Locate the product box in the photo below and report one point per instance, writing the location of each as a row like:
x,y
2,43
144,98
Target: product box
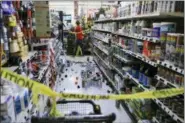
x,y
7,106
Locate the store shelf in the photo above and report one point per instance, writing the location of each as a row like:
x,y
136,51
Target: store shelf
x,y
137,82
153,15
166,82
118,71
155,120
171,66
104,20
3,62
124,105
102,49
102,30
121,58
146,16
158,102
101,40
150,39
141,57
103,60
168,111
105,74
43,71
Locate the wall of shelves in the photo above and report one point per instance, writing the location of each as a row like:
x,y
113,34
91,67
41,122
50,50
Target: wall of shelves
x,y
120,43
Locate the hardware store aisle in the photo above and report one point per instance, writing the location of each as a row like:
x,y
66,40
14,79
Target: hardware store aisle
x,y
66,83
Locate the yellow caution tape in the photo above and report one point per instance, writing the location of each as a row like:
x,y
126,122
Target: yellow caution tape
x,y
43,89
38,88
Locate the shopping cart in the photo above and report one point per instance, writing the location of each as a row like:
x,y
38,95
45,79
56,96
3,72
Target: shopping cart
x,y
77,111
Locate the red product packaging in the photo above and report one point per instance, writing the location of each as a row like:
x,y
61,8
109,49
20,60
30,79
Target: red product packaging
x,y
146,50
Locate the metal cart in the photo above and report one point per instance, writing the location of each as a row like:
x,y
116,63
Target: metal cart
x,y
77,111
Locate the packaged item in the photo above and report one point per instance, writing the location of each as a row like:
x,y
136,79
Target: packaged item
x,y
167,6
18,104
137,24
141,73
144,32
141,25
149,32
159,6
156,30
165,28
135,71
168,43
7,107
179,51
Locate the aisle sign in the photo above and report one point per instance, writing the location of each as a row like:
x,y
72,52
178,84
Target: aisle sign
x,y
42,19
76,9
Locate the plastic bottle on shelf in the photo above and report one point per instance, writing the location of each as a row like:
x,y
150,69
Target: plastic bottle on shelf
x,y
142,24
136,27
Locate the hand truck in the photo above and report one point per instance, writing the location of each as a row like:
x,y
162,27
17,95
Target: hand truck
x,y
77,111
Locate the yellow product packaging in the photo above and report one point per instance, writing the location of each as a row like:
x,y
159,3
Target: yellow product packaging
x,y
12,21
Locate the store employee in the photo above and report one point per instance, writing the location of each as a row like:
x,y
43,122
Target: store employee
x,y
79,37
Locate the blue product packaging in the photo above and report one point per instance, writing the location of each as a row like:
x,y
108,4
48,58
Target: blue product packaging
x,y
140,77
17,102
26,99
147,81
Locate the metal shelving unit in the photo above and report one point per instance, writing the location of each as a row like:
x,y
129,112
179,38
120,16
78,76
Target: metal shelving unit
x,y
103,60
145,16
155,15
171,66
153,40
121,58
101,40
140,57
108,78
166,82
155,120
102,49
102,30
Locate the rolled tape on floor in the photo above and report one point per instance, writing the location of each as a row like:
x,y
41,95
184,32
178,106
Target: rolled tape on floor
x,y
39,88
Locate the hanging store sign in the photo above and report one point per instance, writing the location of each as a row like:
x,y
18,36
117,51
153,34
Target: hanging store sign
x,y
76,9
42,18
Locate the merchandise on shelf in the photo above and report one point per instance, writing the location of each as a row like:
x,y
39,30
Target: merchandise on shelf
x,y
148,7
110,27
171,76
176,104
